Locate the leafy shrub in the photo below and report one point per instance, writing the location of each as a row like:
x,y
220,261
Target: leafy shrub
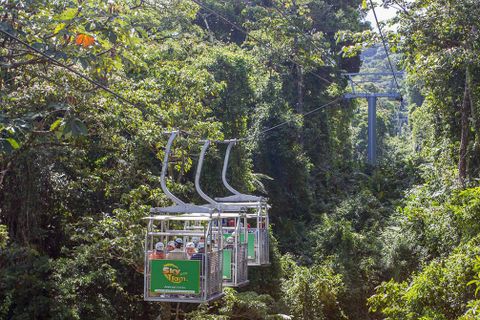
x,y
24,288
234,305
311,293
348,239
439,291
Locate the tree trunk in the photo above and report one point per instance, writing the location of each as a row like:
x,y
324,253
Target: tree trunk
x,y
298,69
475,118
300,86
465,127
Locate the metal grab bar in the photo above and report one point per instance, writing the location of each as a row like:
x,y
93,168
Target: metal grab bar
x,y
164,170
199,172
225,167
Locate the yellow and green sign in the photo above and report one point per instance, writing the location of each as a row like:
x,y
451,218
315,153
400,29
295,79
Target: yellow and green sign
x,y
175,276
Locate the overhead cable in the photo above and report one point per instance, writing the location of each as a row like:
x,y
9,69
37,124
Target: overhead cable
x,y
121,98
309,39
384,45
239,28
288,121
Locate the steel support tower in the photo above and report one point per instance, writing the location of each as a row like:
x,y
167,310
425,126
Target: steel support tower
x,y
372,98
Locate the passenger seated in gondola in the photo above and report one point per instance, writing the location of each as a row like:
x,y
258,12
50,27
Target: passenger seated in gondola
x,y
170,246
158,253
177,253
229,243
195,241
200,255
201,252
190,250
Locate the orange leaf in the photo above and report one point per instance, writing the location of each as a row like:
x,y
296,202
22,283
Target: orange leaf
x,y
84,40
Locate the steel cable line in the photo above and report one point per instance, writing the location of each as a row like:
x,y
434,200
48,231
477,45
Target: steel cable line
x,y
385,45
244,31
121,98
309,39
384,42
237,27
56,62
79,74
234,25
291,120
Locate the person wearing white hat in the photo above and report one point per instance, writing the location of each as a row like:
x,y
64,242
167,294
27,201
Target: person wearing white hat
x,y
159,252
230,241
178,243
200,255
195,241
170,246
200,252
190,249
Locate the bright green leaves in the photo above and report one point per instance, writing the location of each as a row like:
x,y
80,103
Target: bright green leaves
x,y
439,291
311,293
10,132
67,15
59,28
13,143
364,5
476,280
69,128
8,145
354,42
56,124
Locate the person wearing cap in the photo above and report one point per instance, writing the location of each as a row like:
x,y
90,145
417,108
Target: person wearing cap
x,y
229,243
177,253
190,249
170,246
178,243
195,241
159,252
199,255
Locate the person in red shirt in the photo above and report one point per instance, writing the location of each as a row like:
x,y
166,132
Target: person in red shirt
x,y
159,252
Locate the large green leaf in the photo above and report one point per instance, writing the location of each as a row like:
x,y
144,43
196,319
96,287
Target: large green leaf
x,y
67,14
59,27
78,128
56,124
364,4
73,128
13,143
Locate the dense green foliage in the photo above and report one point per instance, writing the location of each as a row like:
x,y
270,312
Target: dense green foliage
x,y
80,167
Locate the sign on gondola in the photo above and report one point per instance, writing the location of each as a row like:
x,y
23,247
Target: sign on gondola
x,y
175,276
251,246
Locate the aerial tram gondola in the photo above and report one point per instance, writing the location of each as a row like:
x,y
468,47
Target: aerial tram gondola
x,y
258,252
235,260
180,279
